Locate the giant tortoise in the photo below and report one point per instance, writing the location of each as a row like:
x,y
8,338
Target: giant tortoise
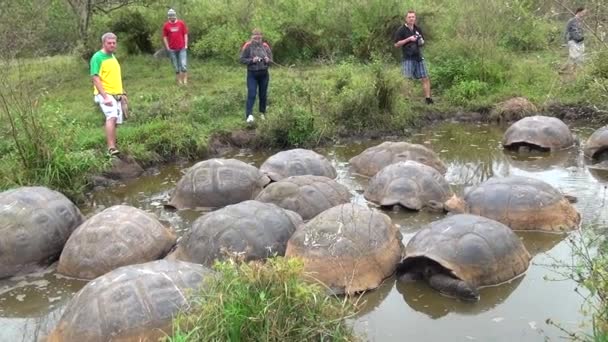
x,y
349,248
596,147
118,236
306,195
522,203
375,158
411,184
297,162
130,303
216,183
461,253
250,230
538,132
35,223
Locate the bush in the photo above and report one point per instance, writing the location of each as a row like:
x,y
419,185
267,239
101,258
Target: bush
x,y
134,32
364,97
263,302
465,91
590,271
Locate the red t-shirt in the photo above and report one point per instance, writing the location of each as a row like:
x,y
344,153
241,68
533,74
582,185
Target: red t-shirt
x,y
175,34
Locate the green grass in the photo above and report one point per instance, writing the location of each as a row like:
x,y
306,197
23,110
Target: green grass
x,y
263,302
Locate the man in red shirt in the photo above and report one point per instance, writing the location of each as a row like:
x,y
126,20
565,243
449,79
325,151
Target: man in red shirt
x,y
175,37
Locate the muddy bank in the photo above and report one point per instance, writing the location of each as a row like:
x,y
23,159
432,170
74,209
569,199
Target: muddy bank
x,y
224,143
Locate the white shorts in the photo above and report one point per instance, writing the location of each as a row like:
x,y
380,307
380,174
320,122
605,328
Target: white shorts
x,y
113,111
576,52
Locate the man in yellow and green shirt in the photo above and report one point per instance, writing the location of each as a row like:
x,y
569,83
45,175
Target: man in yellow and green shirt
x,y
107,87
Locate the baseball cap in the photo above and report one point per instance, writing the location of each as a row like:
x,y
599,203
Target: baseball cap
x,y
171,13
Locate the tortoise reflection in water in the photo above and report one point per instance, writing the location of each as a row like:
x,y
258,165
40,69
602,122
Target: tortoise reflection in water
x,y
461,253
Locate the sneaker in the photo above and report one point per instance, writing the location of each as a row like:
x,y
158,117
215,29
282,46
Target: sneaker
x,y
250,118
113,151
429,100
262,116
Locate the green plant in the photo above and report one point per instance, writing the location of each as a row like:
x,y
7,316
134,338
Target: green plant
x,y
263,302
134,31
465,91
590,271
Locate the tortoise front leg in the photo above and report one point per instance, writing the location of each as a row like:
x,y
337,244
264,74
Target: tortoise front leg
x,y
453,287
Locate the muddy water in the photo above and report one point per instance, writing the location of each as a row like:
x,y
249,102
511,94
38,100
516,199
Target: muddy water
x,y
395,312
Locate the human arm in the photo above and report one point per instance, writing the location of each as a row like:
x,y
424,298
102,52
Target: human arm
x,y
402,42
97,83
400,39
268,57
420,37
165,39
246,57
185,35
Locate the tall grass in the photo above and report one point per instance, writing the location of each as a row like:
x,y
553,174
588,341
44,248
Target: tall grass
x,y
264,302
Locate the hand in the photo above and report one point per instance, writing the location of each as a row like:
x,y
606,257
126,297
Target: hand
x,y
256,59
107,100
266,59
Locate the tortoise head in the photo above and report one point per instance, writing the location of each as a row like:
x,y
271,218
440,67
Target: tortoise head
x,y
455,204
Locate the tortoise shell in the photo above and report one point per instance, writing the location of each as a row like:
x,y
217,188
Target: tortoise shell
x,y
297,162
306,195
250,230
374,159
410,184
472,248
35,223
350,248
597,143
118,236
522,203
130,303
546,132
217,183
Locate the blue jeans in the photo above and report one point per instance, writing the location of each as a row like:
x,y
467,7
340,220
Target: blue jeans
x,y
178,59
256,79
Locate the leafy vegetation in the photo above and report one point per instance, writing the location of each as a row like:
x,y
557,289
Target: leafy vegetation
x,y
590,271
263,302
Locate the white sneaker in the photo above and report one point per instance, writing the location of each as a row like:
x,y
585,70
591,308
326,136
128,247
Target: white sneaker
x,y
263,117
250,118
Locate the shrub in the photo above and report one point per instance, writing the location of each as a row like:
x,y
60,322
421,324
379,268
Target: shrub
x,y
263,302
364,97
465,91
134,32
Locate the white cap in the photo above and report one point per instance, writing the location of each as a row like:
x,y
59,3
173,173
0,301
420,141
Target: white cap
x,y
171,13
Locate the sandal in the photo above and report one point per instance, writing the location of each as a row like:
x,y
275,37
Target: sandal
x,y
113,151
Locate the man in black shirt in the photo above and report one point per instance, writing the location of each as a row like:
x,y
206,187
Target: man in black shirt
x,y
409,38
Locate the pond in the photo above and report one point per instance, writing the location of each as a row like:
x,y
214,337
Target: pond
x,y
516,310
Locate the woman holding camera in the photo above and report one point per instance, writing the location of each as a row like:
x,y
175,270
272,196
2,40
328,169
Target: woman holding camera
x,y
257,55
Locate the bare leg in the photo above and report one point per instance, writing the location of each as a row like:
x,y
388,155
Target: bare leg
x,y
185,78
426,86
110,129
